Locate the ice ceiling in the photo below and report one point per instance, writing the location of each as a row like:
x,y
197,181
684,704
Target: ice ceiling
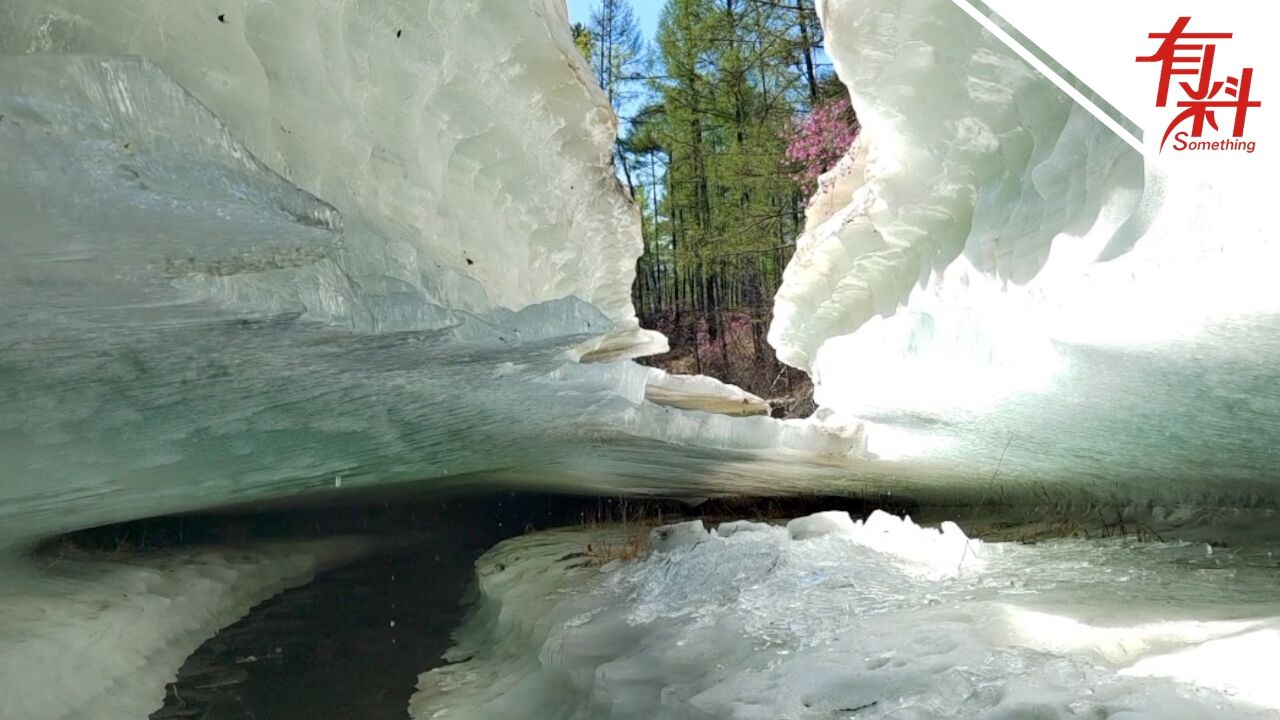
x,y
262,248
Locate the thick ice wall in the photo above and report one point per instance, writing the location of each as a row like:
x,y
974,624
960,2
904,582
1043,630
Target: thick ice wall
x,y
121,197
965,150
469,134
991,279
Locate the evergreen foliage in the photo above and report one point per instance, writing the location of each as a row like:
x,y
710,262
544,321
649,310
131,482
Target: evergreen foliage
x,y
726,117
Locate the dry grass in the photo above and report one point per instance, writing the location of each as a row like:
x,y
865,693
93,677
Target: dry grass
x,y
622,529
633,546
1030,531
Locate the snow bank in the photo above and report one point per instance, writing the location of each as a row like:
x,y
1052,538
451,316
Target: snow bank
x,y
97,638
881,619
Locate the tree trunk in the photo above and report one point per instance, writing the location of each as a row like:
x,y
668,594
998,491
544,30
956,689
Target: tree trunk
x,y
802,20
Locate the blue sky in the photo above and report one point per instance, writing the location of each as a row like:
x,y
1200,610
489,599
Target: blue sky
x,y
647,12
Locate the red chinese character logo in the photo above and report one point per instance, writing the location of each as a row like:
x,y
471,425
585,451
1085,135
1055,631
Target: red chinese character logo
x,y
1191,54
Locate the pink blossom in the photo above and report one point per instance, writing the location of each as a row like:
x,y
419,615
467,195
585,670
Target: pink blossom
x,y
817,141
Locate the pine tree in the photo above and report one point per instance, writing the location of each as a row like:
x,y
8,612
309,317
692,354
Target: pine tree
x,y
617,58
704,153
582,40
617,50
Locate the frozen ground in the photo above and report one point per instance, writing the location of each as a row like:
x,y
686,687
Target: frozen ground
x,y
827,618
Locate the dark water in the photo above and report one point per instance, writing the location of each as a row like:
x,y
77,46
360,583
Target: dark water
x,y
351,644
348,646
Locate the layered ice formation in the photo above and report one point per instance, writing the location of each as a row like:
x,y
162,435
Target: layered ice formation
x,y
269,278
266,259
993,279
484,166
699,392
832,618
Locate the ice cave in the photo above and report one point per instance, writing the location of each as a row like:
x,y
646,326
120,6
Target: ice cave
x,y
324,392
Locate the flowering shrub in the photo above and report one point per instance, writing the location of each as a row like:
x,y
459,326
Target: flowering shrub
x,y
816,142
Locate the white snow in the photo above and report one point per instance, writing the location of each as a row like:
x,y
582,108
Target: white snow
x,y
669,538
874,619
1235,664
832,522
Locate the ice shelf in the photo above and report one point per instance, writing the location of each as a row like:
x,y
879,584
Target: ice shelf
x,y
831,617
